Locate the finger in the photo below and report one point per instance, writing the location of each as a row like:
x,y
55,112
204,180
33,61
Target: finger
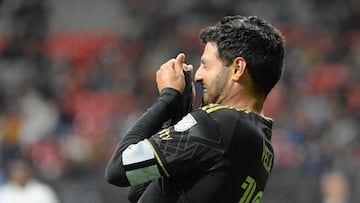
x,y
171,62
168,64
189,68
179,61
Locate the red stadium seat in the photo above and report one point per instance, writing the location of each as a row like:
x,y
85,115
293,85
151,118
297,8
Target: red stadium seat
x,y
3,43
77,47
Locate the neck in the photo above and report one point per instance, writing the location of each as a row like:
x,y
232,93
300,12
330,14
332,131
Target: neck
x,y
244,99
248,103
241,94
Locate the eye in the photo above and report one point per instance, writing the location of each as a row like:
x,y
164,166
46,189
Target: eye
x,y
202,66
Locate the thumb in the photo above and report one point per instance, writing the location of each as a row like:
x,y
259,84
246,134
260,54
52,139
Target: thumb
x,y
179,61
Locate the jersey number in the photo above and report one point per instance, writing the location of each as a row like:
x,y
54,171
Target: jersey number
x,y
249,185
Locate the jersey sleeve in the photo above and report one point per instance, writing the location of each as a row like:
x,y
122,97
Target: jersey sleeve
x,y
191,144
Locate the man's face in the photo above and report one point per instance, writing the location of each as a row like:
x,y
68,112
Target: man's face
x,y
20,173
212,75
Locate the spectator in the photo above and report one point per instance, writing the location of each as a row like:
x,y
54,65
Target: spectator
x,y
334,188
23,187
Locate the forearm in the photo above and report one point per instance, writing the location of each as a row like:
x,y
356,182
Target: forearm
x,y
148,124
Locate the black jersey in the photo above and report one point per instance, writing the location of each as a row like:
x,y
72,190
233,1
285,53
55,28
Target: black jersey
x,y
214,154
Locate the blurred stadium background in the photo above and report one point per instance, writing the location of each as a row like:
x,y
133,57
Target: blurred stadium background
x,y
75,74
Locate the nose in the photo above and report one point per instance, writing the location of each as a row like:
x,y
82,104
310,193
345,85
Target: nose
x,y
198,75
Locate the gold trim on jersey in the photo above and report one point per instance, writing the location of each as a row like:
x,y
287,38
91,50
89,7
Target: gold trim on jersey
x,y
214,107
157,158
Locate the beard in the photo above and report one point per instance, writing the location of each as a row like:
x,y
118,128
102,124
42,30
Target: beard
x,y
216,90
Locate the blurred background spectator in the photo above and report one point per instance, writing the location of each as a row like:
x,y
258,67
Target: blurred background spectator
x,y
74,75
334,188
22,186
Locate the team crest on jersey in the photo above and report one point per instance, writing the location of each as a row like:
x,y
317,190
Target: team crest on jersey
x,y
186,123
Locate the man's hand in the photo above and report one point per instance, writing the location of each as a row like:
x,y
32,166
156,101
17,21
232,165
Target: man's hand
x,y
170,74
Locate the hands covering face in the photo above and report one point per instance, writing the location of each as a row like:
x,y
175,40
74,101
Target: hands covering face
x,y
170,74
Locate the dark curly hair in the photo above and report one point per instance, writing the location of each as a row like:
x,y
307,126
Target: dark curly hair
x,y
259,43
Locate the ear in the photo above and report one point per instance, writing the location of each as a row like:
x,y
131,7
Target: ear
x,y
238,68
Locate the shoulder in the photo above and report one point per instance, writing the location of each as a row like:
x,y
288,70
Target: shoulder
x,y
4,189
43,191
8,187
8,192
230,120
207,122
39,187
209,117
217,109
198,118
223,114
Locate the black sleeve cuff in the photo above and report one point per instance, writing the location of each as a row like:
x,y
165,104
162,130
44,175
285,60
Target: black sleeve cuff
x,y
152,120
172,97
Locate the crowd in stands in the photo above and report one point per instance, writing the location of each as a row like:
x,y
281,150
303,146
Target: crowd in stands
x,y
67,97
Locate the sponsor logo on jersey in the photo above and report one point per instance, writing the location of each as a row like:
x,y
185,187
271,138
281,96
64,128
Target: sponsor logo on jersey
x,y
186,123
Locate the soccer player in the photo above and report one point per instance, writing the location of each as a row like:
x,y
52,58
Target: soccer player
x,y
220,152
